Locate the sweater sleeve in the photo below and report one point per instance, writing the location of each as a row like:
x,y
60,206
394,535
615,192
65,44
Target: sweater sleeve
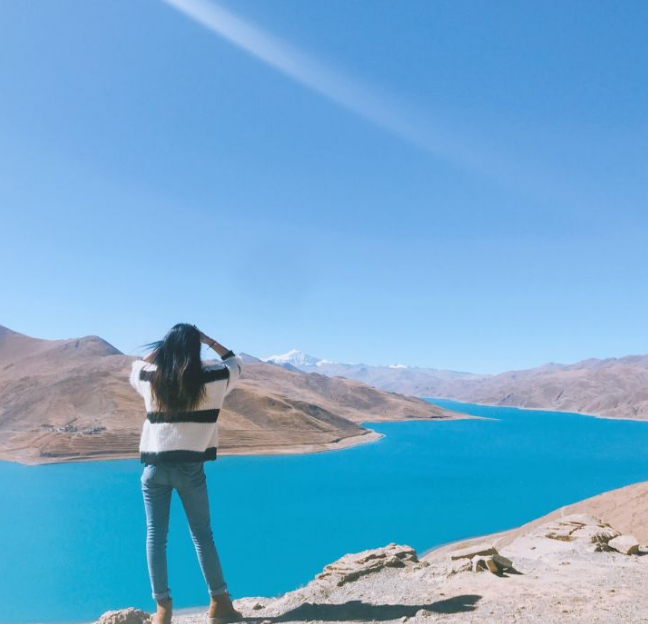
x,y
136,367
234,364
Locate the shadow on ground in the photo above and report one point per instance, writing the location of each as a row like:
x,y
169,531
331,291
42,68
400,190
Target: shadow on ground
x,y
358,610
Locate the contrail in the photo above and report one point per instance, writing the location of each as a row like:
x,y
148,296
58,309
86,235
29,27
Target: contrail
x,y
308,71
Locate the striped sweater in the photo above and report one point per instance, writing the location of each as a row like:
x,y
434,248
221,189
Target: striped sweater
x,y
190,435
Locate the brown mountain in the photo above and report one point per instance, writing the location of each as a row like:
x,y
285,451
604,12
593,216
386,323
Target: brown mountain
x,y
613,387
70,400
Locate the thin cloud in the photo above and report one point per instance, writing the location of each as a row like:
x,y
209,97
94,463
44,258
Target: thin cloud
x,y
429,132
308,71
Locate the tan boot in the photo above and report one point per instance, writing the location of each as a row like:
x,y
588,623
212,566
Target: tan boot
x,y
222,611
163,614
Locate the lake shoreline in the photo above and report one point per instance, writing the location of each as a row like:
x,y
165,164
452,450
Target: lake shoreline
x,y
299,449
536,409
302,449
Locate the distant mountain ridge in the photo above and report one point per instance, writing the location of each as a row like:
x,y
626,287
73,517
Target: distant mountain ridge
x,y
411,380
612,387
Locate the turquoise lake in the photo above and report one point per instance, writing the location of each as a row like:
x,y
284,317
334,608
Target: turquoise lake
x,y
72,536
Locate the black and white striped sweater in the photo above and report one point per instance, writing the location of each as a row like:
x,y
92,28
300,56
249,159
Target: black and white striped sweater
x,y
191,435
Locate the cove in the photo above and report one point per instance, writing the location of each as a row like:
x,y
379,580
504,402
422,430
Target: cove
x,y
72,536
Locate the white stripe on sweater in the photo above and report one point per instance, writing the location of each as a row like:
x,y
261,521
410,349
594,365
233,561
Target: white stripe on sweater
x,y
189,436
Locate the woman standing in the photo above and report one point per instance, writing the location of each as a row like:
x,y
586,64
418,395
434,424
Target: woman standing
x,y
182,399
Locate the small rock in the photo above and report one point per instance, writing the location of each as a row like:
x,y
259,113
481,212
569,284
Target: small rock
x,y
503,563
423,613
130,615
626,544
256,606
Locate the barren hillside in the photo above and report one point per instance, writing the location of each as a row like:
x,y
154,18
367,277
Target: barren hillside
x,y
70,400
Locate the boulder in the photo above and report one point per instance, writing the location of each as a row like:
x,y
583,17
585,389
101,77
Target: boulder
x,y
493,563
578,528
626,544
484,563
595,534
503,563
477,550
353,566
130,615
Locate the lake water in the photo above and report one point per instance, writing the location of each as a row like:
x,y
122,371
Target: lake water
x,y
72,536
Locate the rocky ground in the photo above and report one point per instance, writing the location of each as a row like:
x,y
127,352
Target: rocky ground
x,y
567,567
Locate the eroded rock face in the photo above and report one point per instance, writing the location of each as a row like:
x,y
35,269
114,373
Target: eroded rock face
x,y
579,528
129,615
353,566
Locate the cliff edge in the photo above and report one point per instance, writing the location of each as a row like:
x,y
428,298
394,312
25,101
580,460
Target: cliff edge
x,y
582,563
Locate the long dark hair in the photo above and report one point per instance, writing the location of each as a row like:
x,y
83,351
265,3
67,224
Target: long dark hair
x,y
178,383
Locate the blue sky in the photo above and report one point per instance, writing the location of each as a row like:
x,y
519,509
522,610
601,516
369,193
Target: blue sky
x,y
448,183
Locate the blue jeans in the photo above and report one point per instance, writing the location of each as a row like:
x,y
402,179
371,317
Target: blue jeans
x,y
189,479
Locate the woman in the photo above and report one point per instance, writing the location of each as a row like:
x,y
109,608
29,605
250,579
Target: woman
x,y
182,399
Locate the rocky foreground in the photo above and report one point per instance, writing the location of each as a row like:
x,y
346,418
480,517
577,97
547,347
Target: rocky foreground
x,y
569,566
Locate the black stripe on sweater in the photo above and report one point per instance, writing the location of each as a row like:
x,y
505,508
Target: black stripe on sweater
x,y
195,416
172,457
216,374
207,375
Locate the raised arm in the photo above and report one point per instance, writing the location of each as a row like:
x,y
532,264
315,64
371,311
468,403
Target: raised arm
x,y
216,346
233,362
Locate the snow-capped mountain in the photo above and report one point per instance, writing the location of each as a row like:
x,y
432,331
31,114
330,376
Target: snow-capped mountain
x,y
391,377
295,358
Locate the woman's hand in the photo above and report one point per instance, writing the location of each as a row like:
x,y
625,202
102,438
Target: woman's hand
x,y
210,342
204,338
214,344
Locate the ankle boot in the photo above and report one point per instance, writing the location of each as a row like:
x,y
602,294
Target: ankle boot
x,y
163,614
223,610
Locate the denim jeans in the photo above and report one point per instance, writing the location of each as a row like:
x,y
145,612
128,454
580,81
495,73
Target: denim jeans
x,y
189,479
